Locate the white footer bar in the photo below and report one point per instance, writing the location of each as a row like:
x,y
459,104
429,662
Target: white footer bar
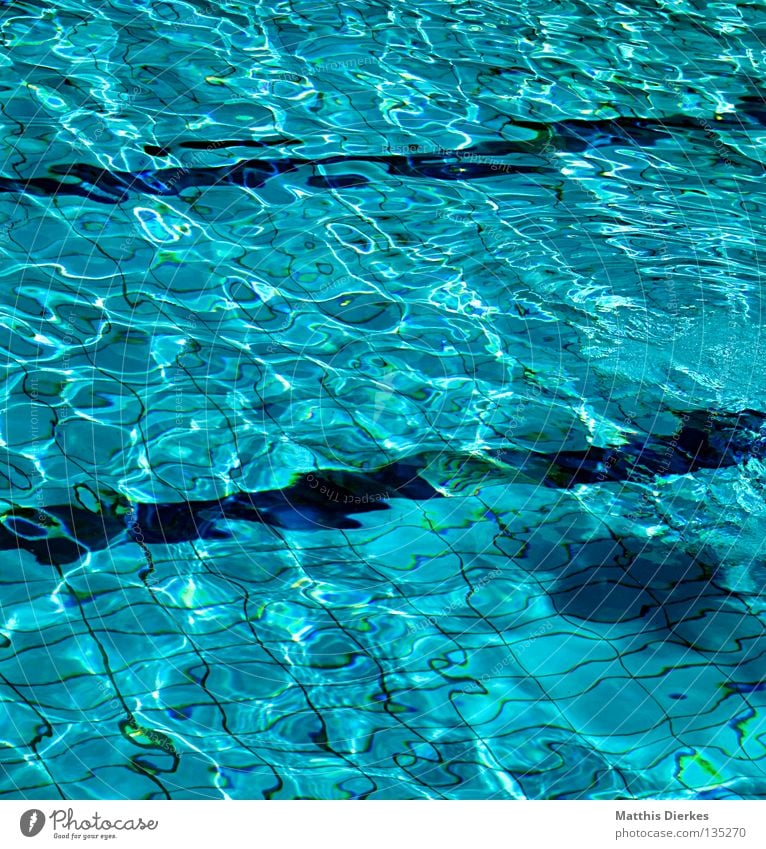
x,y
382,825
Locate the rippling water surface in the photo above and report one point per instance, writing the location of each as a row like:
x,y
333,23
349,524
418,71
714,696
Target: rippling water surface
x,y
383,400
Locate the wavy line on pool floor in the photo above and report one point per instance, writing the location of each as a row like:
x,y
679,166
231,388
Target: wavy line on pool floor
x,y
329,498
109,187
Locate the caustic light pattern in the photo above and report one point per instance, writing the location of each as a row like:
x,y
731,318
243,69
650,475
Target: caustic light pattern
x,y
383,412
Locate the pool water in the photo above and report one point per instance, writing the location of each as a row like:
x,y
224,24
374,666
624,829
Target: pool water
x,y
383,403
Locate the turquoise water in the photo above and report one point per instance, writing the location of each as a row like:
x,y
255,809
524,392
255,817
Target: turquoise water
x,y
382,400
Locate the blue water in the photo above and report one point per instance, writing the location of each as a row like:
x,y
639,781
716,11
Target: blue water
x,y
383,403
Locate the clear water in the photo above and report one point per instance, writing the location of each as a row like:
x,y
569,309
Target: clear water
x,y
169,339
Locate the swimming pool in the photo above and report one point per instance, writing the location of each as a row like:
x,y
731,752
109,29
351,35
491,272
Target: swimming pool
x,y
382,411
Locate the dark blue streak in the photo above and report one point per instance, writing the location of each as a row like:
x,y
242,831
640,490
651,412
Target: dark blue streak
x,y
330,499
